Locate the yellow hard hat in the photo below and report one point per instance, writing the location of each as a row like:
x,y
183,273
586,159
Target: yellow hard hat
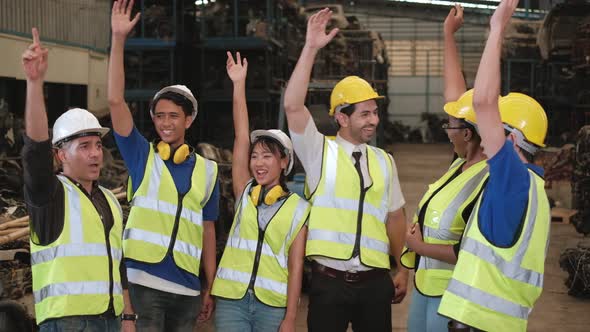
x,y
522,112
351,90
462,108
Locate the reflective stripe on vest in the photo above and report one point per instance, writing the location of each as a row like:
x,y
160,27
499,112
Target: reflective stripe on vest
x,y
237,264
334,204
493,286
160,221
71,276
443,222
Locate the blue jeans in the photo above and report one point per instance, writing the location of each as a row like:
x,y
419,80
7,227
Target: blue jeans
x,y
247,314
81,324
423,315
162,311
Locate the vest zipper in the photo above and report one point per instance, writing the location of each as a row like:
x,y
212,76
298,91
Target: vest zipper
x,y
257,258
176,225
259,245
111,281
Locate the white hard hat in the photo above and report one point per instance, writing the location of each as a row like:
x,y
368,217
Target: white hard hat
x,y
280,137
181,90
75,123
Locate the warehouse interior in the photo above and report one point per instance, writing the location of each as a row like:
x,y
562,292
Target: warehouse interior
x,y
395,45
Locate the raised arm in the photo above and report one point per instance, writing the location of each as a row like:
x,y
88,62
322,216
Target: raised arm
x,y
237,72
34,61
487,82
121,25
454,80
316,38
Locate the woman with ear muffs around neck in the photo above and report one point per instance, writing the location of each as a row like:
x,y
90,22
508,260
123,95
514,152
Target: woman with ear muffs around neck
x,y
258,281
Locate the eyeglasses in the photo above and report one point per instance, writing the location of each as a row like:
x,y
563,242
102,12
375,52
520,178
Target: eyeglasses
x,y
447,125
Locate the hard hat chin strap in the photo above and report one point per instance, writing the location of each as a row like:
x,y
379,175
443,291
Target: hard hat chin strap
x,y
338,108
521,140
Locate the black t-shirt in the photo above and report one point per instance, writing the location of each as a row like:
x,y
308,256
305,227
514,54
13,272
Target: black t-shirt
x,y
44,196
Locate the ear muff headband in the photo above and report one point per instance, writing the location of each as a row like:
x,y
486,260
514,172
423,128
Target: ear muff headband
x,y
272,196
180,155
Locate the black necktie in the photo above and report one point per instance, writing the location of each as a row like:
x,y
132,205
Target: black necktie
x,y
357,165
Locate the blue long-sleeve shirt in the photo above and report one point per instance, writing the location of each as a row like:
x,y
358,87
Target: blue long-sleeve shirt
x,y
135,150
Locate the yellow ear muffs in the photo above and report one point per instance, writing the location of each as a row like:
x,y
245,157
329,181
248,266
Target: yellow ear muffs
x,y
163,150
180,155
271,197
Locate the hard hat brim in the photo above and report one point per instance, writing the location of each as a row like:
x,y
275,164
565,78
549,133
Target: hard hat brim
x,y
102,131
333,110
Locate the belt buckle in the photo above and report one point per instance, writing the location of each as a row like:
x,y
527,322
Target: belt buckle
x,y
351,276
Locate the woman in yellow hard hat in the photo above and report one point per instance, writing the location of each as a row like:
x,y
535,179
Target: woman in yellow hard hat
x,y
258,282
445,208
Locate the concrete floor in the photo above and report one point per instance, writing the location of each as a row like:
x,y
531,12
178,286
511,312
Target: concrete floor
x,y
419,165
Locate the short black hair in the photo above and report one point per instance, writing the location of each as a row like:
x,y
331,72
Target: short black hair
x,y
348,110
177,99
273,146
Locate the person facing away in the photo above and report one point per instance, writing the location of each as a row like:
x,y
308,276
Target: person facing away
x,y
499,271
258,282
174,194
357,217
76,225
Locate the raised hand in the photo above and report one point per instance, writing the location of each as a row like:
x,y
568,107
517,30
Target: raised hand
x,y
454,20
34,59
316,36
121,23
503,14
236,71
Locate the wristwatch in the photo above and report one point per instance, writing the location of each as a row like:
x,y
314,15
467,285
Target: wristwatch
x,y
132,317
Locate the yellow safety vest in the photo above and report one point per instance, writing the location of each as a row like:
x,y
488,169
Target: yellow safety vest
x,y
161,220
339,205
446,200
77,274
494,289
258,259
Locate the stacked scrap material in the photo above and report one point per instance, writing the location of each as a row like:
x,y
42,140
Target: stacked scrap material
x,y
581,182
576,262
15,270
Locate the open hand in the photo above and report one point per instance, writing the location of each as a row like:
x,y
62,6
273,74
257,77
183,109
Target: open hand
x,y
236,70
121,23
34,59
454,20
503,14
316,36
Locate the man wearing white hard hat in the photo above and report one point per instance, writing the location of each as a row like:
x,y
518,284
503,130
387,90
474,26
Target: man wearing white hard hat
x,y
76,225
357,219
174,198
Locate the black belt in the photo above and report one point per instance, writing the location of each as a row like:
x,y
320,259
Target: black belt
x,y
351,277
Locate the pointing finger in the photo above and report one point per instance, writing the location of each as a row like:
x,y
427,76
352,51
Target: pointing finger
x,y
36,40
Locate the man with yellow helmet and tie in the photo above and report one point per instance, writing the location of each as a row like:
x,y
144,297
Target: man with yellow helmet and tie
x,y
499,272
357,217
